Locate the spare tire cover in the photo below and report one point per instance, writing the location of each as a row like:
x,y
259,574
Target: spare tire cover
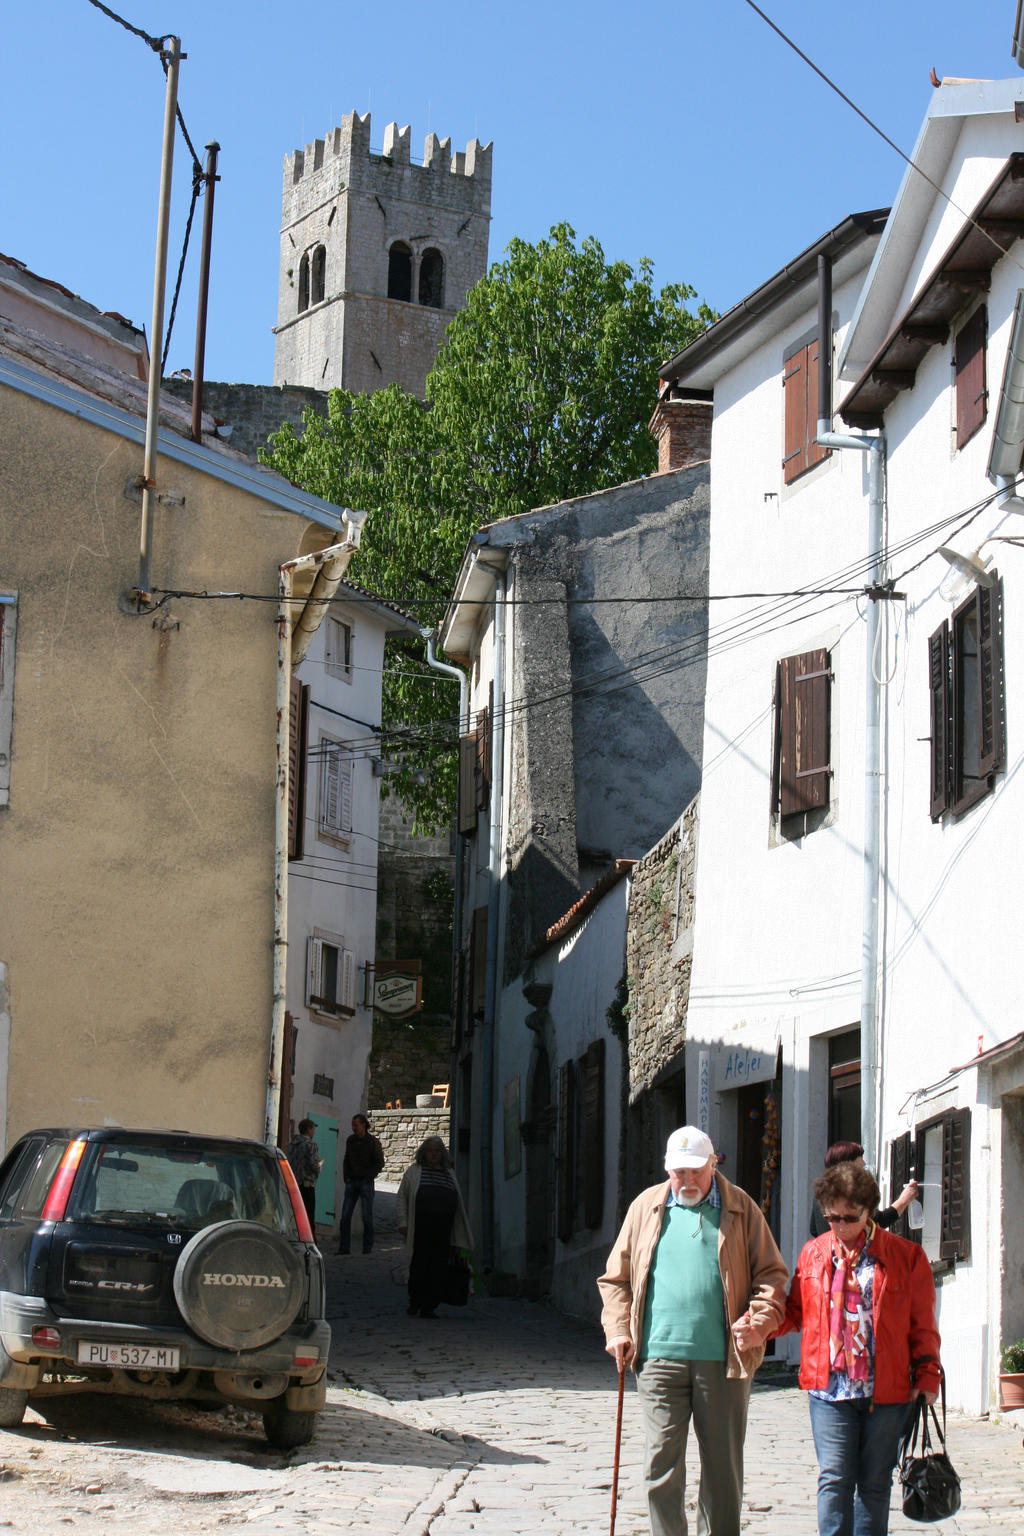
x,y
238,1284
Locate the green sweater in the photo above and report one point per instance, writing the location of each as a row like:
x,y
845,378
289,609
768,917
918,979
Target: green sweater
x,y
684,1315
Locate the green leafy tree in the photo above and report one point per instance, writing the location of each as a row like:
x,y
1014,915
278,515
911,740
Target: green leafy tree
x,y
542,391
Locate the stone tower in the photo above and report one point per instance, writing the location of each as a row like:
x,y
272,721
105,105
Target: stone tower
x,y
377,255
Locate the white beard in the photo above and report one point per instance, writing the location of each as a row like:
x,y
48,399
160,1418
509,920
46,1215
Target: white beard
x,y
685,1198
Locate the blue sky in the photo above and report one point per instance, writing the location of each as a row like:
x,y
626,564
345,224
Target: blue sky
x,y
687,133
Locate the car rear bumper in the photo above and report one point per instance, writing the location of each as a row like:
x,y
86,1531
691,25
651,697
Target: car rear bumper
x,y
20,1315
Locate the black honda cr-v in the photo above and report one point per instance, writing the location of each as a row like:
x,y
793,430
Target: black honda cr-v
x,y
160,1264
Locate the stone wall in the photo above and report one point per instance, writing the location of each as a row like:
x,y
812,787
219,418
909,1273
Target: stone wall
x,y
408,1057
402,1131
252,411
659,953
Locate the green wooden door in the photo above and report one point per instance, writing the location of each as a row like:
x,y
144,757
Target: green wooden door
x,y
325,1135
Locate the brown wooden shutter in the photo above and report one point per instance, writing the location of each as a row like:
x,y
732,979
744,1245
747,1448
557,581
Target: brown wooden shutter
x,y
899,1173
467,784
794,402
991,696
483,759
940,721
805,687
593,1133
815,452
478,962
566,1148
298,728
955,1237
969,363
284,1113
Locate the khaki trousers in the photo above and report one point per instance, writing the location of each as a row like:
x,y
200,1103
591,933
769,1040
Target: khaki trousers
x,y
671,1392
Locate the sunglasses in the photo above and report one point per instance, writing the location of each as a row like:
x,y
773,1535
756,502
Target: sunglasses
x,y
843,1218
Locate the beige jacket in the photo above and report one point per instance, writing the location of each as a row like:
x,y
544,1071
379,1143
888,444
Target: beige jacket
x,y
753,1274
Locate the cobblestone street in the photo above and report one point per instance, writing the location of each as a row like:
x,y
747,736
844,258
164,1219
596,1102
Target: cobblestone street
x,y
494,1420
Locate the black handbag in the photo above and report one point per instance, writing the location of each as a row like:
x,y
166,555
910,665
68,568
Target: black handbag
x,y
931,1487
456,1285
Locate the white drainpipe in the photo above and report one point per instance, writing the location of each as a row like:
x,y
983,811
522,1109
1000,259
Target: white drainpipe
x,y
870,946
1008,430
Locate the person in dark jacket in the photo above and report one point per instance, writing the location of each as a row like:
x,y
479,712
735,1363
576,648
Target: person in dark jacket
x,y
865,1302
363,1160
853,1152
306,1162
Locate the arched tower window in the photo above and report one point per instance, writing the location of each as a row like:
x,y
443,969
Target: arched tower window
x,y
318,271
304,282
400,272
432,279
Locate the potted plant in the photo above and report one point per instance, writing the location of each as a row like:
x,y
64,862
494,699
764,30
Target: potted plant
x,y
1011,1377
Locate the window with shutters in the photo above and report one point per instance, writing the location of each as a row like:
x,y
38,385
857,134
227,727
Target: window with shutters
x,y
969,372
334,820
330,975
802,747
800,412
938,1155
338,648
581,1139
475,772
8,625
967,702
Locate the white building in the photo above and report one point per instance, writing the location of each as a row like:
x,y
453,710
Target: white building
x,y
855,969
332,874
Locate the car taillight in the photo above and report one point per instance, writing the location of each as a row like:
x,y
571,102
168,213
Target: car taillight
x,y
60,1189
302,1362
295,1196
46,1338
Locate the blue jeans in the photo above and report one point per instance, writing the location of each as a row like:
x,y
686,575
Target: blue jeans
x,y
357,1191
857,1445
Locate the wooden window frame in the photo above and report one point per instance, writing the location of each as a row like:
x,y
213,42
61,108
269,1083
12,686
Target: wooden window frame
x,y
955,1213
967,702
342,1002
337,790
969,349
802,746
800,412
339,648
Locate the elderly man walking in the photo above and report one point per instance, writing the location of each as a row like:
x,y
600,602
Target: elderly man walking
x,y
694,1286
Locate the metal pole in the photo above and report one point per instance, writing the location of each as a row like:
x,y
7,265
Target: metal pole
x,y
211,178
172,56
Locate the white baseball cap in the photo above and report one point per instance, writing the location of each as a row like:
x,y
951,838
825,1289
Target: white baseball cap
x,y
688,1148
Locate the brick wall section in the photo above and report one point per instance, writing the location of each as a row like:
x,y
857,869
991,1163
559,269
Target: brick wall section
x,y
253,411
402,1132
659,952
683,432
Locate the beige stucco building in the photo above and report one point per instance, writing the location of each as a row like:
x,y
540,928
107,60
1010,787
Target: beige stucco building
x,y
138,757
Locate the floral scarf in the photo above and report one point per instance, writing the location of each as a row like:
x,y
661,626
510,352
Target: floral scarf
x,y
847,1323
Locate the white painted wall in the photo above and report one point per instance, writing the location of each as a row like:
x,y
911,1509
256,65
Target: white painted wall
x,y
778,928
334,888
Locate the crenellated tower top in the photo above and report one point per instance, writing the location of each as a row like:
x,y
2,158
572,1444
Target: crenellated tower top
x,y
378,252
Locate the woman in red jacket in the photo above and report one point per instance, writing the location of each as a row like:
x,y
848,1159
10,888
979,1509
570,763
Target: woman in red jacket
x,y
865,1300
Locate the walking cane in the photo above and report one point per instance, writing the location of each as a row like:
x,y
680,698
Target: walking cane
x,y
618,1442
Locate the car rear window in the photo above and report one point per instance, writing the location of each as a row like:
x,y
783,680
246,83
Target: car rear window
x,y
126,1183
